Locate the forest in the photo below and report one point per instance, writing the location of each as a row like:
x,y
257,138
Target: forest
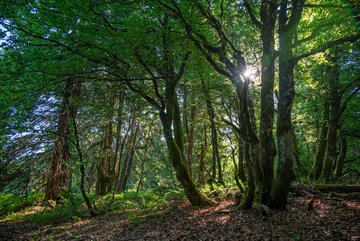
x,y
180,120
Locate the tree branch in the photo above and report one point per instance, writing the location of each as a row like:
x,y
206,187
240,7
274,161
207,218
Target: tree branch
x,y
327,46
250,11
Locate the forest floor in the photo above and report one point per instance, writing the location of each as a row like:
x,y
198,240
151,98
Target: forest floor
x,y
331,219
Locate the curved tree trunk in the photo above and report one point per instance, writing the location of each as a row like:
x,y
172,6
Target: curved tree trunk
x,y
172,127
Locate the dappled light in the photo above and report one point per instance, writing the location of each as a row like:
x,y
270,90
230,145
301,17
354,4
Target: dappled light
x,y
180,120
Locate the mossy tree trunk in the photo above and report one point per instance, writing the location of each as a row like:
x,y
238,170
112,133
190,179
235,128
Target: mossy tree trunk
x,y
284,130
266,25
170,121
321,148
334,117
341,157
168,106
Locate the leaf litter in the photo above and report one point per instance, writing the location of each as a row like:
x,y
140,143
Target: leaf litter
x,y
330,219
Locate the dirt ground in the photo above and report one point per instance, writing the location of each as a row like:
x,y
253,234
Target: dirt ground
x,y
330,219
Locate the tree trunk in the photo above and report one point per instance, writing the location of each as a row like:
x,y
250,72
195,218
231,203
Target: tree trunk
x,y
118,142
73,110
241,167
58,178
321,148
216,164
341,158
171,122
126,162
254,173
250,189
191,138
129,158
267,144
103,185
334,116
145,158
203,151
285,138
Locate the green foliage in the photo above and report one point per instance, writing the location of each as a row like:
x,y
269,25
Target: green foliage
x,y
134,205
115,49
10,203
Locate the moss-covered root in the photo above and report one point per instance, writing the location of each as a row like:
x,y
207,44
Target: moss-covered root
x,y
197,199
262,209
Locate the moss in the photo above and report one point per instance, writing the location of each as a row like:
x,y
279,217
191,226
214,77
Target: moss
x,y
262,209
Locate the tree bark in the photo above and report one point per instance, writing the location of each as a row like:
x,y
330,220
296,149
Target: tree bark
x,y
127,161
145,158
334,117
284,130
171,122
57,181
267,143
191,138
104,181
203,151
216,160
321,148
341,158
118,142
129,158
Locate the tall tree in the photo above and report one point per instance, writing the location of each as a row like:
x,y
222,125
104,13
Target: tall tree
x,y
216,160
268,15
58,178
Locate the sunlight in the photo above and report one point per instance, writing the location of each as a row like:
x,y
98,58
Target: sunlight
x,y
247,73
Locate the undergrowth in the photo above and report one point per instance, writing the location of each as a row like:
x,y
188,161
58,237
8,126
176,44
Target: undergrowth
x,y
133,205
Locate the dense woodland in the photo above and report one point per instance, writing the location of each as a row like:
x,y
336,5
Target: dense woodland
x,y
105,97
